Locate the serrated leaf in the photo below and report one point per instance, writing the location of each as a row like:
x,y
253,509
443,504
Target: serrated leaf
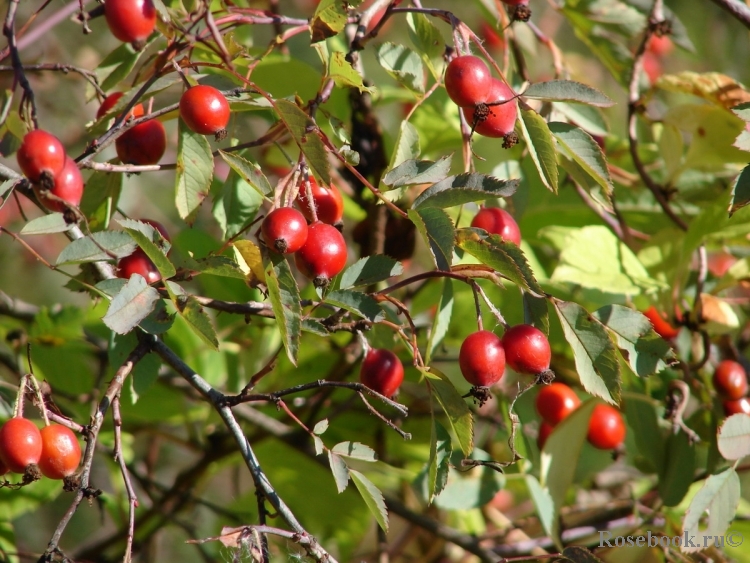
x,y
464,188
305,134
437,230
319,445
587,118
500,255
249,260
285,302
235,205
567,91
315,327
412,172
535,312
370,270
197,319
644,350
159,321
406,146
455,407
320,427
162,263
593,351
100,198
719,497
329,19
131,305
250,172
427,39
740,191
343,73
440,457
87,250
194,171
117,65
46,224
339,470
355,450
403,64
356,302
541,147
582,148
734,437
714,87
442,320
111,287
373,498
218,266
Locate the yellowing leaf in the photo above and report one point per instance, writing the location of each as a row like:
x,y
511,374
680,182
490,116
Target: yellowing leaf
x,y
715,87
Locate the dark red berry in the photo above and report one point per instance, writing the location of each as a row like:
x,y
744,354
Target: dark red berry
x,y
382,371
497,221
737,406
284,230
545,429
329,204
468,80
61,452
661,325
205,110
111,101
40,152
130,20
323,255
20,444
555,402
501,118
482,358
138,263
143,144
527,349
67,185
730,380
606,428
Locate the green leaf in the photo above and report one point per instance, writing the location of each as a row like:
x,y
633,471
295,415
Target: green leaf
x,y
356,302
545,506
131,305
250,172
370,270
586,117
535,312
8,543
145,242
117,65
88,249
329,19
467,490
217,266
320,427
339,470
413,172
236,205
373,498
343,74
582,148
442,320
159,321
464,188
541,147
740,191
437,230
403,64
197,319
305,134
439,464
285,302
100,198
679,468
593,351
406,146
719,498
644,350
7,185
194,171
455,407
641,413
46,224
428,40
567,91
503,256
355,450
734,437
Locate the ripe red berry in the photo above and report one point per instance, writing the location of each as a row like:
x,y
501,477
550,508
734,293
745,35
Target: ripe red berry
x,y
138,263
660,46
738,406
468,80
730,380
323,255
606,428
61,452
329,204
382,371
501,118
527,349
555,402
110,102
40,152
284,230
482,358
205,110
67,185
130,20
545,429
143,144
20,444
497,221
661,325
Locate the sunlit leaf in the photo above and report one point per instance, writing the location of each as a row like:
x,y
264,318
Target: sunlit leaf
x,y
541,147
197,319
339,470
356,302
455,408
285,301
195,167
372,497
303,130
343,74
464,188
441,321
403,64
714,87
436,229
370,270
582,148
131,305
355,450
567,91
46,224
248,171
734,437
89,249
413,172
741,190
719,499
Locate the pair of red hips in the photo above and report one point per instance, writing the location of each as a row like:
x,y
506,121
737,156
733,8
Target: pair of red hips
x,y
54,449
730,382
483,354
487,103
55,177
556,401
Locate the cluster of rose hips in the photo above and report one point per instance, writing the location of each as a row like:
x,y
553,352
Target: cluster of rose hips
x,y
488,103
319,248
556,401
54,449
730,382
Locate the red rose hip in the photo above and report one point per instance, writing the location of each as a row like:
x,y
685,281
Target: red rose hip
x,y
555,402
284,230
328,202
482,358
130,20
138,263
205,110
382,371
730,380
40,153
661,325
143,144
66,186
606,428
737,406
527,349
497,221
20,444
468,80
501,118
323,255
61,452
